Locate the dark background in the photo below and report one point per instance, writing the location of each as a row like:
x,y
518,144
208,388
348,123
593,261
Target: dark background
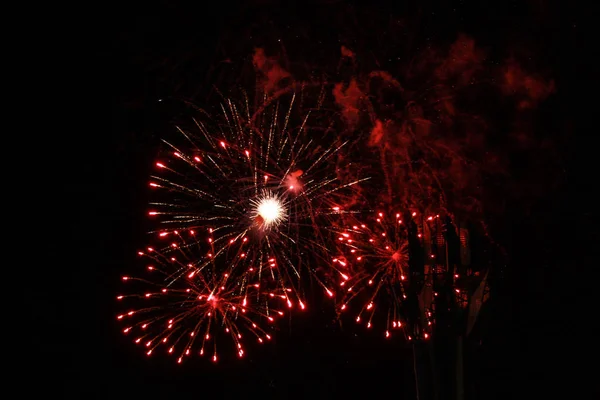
x,y
124,57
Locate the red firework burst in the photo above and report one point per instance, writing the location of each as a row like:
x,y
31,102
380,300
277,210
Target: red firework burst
x,y
260,182
189,299
386,265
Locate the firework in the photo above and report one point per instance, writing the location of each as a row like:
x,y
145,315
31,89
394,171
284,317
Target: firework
x,y
184,304
260,182
386,266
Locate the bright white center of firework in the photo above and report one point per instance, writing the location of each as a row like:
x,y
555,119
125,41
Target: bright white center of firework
x,y
268,210
271,211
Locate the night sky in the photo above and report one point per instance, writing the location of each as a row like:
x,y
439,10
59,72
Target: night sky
x,y
531,340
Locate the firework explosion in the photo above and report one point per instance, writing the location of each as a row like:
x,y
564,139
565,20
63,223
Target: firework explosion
x,y
387,266
184,304
250,191
259,184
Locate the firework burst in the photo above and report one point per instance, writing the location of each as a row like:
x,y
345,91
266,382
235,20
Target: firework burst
x,y
260,182
385,267
185,304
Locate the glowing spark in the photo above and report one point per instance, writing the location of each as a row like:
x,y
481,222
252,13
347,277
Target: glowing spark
x,y
269,211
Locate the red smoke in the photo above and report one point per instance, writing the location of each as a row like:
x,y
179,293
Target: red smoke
x,y
269,70
346,52
529,88
348,98
429,128
463,61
